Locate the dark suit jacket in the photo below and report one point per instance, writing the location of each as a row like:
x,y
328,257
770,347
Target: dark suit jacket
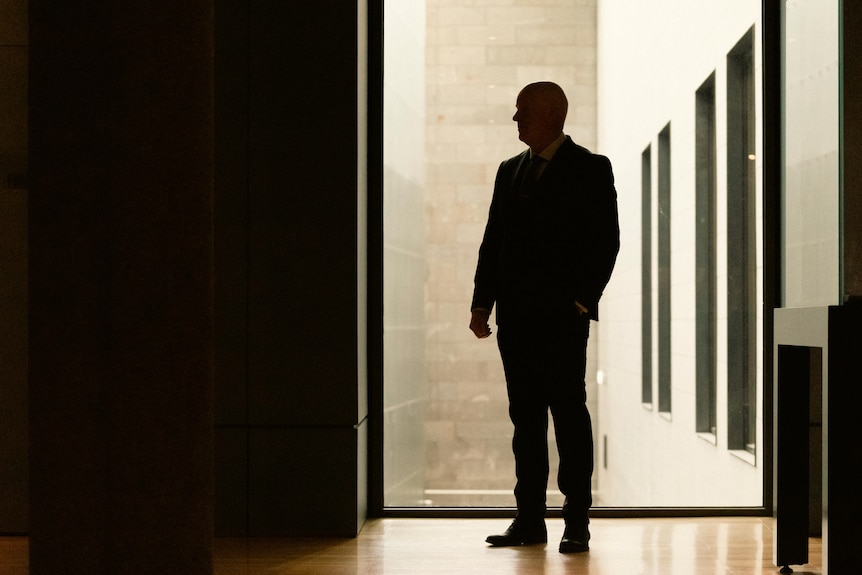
x,y
543,253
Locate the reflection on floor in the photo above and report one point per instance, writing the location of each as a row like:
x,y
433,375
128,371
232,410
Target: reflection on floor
x,y
710,546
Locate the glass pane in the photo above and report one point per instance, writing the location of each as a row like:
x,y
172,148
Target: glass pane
x,y
405,254
810,221
453,69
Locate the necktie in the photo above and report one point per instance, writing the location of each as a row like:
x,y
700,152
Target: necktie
x,y
531,176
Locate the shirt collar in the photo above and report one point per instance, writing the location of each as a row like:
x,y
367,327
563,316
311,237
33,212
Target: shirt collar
x,y
548,153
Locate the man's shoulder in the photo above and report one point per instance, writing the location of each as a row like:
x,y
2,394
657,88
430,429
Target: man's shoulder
x,y
577,150
582,158
513,163
518,158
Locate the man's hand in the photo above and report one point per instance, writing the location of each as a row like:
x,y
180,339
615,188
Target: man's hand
x,y
479,323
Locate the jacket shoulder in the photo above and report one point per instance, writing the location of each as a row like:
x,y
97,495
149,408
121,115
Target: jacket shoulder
x,y
583,153
577,155
516,159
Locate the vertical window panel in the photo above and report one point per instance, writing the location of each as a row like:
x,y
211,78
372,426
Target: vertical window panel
x,y
705,267
664,272
646,277
741,246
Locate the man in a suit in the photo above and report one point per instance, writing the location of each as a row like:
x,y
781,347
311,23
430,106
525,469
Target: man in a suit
x,y
549,247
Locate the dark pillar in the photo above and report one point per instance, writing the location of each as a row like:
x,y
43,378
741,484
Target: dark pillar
x,y
120,102
851,150
842,458
792,453
13,266
290,211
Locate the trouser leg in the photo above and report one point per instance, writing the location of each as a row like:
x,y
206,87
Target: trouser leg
x,y
573,426
575,446
528,410
530,447
547,372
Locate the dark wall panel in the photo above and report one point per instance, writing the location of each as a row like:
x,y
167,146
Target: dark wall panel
x,y
851,52
302,213
120,287
307,475
231,212
13,266
290,341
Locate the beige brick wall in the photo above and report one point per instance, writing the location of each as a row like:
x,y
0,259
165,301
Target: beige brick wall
x,y
479,54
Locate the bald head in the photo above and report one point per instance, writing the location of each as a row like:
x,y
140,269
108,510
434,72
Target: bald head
x,y
541,113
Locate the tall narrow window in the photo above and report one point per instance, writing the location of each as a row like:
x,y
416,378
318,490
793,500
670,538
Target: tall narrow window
x,y
811,154
741,246
664,276
405,257
705,267
646,276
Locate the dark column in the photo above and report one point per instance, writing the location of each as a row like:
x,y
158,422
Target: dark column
x,y
290,211
13,266
120,102
842,458
792,453
851,150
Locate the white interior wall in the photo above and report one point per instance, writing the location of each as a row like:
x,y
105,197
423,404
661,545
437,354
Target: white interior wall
x,y
652,58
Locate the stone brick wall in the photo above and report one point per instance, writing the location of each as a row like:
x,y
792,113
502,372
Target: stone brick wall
x,y
479,54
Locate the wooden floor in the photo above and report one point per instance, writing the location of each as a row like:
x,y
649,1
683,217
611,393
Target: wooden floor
x,y
711,546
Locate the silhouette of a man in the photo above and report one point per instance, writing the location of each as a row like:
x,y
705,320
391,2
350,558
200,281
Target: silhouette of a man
x,y
549,247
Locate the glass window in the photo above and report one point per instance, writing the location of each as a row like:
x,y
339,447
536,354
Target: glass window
x,y
405,393
452,71
810,198
705,238
664,272
646,277
741,248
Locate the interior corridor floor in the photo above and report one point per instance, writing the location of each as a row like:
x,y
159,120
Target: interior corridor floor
x,y
687,546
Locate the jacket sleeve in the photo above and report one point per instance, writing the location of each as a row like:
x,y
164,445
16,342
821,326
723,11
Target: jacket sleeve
x,y
485,281
604,239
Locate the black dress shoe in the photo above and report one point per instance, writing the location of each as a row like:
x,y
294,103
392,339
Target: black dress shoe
x,y
575,540
520,533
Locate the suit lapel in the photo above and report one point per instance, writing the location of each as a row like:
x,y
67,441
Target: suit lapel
x,y
566,159
523,163
551,171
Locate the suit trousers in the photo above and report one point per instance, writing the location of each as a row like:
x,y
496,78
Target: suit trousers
x,y
545,372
